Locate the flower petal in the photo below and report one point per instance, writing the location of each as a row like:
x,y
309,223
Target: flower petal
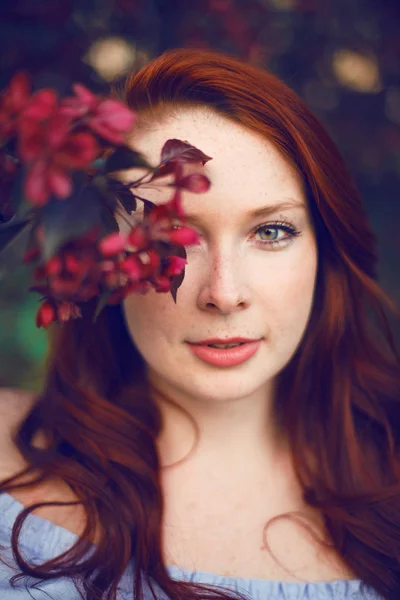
x,y
184,236
115,115
36,189
59,182
57,129
41,105
131,267
112,244
162,284
18,92
137,239
86,97
105,132
112,120
53,266
78,152
175,266
31,140
196,183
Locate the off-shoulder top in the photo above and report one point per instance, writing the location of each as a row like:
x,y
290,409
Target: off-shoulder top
x,y
41,540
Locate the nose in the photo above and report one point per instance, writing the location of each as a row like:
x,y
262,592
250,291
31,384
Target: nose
x,y
224,289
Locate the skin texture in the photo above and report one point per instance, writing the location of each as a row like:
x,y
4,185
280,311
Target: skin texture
x,y
233,286
217,501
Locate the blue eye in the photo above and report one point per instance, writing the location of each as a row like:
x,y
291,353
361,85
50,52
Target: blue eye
x,y
291,232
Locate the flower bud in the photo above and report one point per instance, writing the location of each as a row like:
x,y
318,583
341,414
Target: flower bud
x,y
45,315
112,244
183,236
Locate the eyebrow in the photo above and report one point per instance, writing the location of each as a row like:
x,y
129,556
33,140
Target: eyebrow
x,y
264,211
273,208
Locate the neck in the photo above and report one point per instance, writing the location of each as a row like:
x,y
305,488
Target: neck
x,y
231,436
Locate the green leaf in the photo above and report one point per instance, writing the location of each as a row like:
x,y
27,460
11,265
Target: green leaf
x,y
125,158
18,193
108,220
147,207
10,229
127,199
14,240
102,302
98,164
64,220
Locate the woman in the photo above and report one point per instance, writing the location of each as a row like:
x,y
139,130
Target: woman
x,y
300,421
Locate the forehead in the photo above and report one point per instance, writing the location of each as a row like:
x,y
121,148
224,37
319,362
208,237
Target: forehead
x,y
246,169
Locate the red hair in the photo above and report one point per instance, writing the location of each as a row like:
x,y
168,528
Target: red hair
x,y
338,398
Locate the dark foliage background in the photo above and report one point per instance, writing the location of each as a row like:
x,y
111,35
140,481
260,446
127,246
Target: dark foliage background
x,y
341,56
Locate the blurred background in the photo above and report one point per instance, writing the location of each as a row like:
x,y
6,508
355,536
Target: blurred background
x,y
341,56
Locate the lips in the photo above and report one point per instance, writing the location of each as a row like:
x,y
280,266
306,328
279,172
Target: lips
x,y
224,341
228,357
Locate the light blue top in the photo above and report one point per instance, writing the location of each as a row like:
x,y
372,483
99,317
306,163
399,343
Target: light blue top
x,y
41,540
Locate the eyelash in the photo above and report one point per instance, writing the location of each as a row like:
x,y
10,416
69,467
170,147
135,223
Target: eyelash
x,y
293,233
290,230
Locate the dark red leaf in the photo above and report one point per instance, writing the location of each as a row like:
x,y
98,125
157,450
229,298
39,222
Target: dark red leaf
x,y
101,303
174,149
176,281
164,169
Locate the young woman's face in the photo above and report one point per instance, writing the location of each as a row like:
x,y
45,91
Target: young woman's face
x,y
248,278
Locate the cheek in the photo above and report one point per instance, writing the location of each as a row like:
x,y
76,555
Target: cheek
x,y
289,294
149,316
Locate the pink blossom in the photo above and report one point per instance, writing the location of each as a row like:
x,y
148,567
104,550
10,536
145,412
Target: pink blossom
x,y
50,150
12,100
109,118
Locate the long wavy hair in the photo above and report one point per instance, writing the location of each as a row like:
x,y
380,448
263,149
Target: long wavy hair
x,y
338,398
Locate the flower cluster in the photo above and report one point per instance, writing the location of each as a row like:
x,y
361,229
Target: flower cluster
x,y
61,157
55,136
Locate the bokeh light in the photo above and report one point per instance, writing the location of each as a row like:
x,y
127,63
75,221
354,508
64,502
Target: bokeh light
x,y
357,71
111,57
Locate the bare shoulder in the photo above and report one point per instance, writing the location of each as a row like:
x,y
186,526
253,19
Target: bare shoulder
x,y
15,404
